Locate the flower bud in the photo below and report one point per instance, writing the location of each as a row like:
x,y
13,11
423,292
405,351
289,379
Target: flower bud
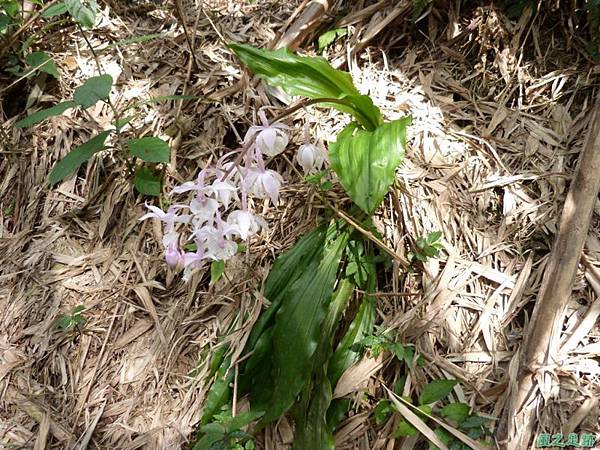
x,y
310,157
173,255
271,141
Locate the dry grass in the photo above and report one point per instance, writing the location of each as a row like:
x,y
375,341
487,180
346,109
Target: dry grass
x,y
499,115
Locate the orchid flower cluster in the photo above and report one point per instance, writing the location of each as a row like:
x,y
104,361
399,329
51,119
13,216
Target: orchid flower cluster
x,y
228,187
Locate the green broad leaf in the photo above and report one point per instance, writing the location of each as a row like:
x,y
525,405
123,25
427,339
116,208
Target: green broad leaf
x,y
329,37
219,393
436,390
83,12
359,328
311,77
313,429
217,268
399,385
287,268
43,63
457,412
150,149
366,161
43,114
54,10
93,90
77,157
146,182
297,330
424,411
404,429
12,8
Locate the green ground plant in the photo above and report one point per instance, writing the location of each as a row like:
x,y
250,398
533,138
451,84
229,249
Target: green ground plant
x,y
293,344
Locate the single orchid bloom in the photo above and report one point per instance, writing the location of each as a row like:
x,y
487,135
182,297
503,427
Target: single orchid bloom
x,y
193,261
170,218
224,191
216,238
270,140
264,183
310,157
198,185
245,223
203,210
261,182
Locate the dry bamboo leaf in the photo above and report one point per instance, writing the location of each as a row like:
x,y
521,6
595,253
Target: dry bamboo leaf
x,y
357,376
414,420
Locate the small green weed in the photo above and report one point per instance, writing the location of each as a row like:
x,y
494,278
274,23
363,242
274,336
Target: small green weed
x,y
426,247
72,320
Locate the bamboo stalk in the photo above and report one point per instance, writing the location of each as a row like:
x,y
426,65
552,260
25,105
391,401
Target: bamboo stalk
x,y
538,356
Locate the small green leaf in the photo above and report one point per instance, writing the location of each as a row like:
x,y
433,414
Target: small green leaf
x,y
243,419
71,320
404,429
43,114
397,350
43,63
121,122
399,385
5,22
150,149
83,13
208,440
54,10
329,37
213,428
444,436
473,422
433,237
382,411
425,411
457,412
436,390
94,89
217,268
366,161
145,182
76,157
